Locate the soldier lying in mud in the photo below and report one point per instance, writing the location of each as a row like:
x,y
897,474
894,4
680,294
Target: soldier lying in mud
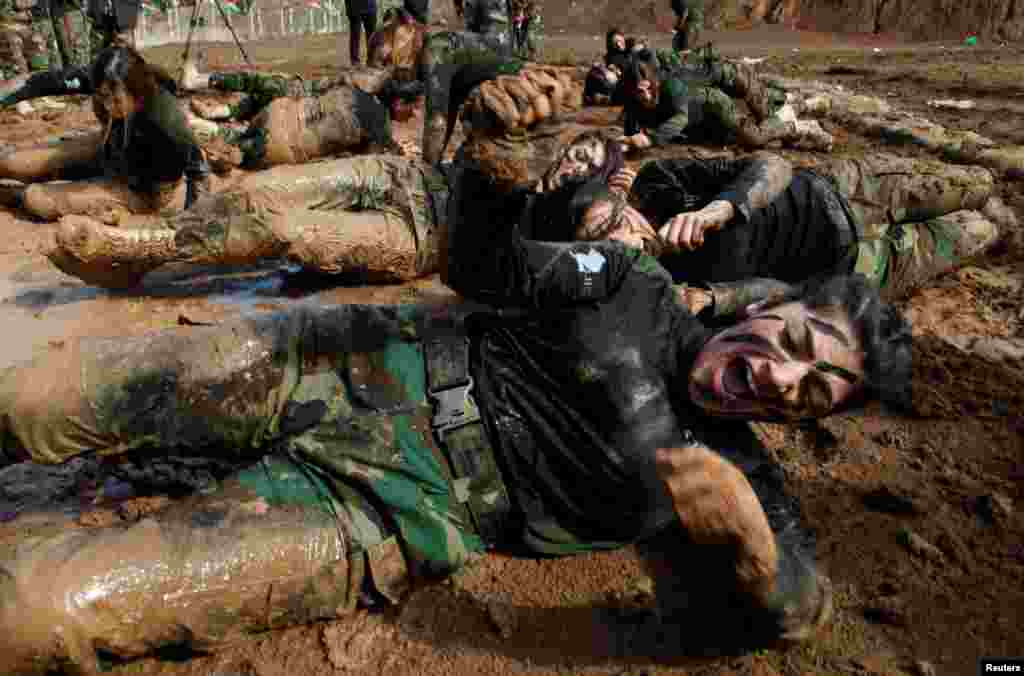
x,y
369,489
898,221
901,222
144,159
695,102
376,216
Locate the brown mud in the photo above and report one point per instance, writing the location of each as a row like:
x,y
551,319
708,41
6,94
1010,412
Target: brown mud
x,y
873,487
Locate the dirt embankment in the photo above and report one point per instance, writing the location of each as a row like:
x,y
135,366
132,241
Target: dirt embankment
x,y
915,19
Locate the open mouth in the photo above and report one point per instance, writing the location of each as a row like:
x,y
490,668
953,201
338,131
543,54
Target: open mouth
x,y
738,379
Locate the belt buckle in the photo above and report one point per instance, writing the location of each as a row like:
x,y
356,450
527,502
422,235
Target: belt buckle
x,y
453,407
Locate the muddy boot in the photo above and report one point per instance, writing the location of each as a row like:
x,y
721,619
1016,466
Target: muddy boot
x,y
109,257
11,193
270,548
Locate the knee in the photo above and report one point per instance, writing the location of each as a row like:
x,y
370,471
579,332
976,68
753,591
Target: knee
x,y
39,200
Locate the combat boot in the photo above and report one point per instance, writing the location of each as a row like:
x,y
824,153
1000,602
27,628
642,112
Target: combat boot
x,y
113,258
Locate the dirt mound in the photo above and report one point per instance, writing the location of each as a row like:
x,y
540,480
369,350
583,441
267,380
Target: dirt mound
x,y
916,19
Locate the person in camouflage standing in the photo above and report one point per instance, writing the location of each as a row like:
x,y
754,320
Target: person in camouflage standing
x,y
23,41
689,23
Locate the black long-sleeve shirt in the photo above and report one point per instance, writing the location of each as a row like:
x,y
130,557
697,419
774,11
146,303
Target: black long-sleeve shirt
x,y
581,389
804,227
153,146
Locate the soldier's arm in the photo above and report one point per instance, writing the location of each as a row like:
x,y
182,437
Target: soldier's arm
x,y
487,259
675,126
747,184
727,300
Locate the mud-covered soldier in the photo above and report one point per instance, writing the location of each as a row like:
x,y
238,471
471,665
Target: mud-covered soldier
x,y
898,221
144,159
595,412
604,80
372,218
697,103
362,17
291,120
688,25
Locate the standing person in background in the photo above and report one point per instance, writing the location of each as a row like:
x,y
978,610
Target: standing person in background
x,y
362,15
23,42
689,23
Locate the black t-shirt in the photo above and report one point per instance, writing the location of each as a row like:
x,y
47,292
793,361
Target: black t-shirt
x,y
581,387
805,231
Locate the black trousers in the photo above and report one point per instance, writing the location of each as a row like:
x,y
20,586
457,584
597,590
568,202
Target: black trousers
x,y
357,23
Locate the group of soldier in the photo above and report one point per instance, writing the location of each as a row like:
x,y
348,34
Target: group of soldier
x,y
621,328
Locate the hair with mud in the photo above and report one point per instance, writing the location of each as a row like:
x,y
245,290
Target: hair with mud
x,y
124,66
884,335
614,160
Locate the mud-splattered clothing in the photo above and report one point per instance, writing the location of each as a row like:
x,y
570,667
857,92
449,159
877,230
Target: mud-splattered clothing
x,y
262,88
696,104
833,217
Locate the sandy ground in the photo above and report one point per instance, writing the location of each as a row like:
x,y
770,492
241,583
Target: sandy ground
x,y
952,474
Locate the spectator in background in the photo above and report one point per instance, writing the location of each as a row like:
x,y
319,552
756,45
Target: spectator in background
x,y
362,15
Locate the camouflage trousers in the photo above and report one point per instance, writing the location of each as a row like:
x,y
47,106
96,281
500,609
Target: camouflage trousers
x,y
688,30
262,88
372,217
24,45
919,216
339,397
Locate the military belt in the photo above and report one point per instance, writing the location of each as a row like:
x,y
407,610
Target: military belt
x,y
462,436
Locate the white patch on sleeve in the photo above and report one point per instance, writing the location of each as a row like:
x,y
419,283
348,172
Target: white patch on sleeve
x,y
591,261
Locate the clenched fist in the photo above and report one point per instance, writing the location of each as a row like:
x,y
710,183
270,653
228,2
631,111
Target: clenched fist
x,y
686,230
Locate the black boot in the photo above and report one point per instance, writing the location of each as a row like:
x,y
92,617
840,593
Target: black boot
x,y
71,80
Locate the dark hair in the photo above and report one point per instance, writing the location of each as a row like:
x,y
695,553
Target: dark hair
x,y
614,160
643,65
123,65
884,335
609,36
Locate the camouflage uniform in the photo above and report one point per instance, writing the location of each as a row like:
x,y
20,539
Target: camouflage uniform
x,y
697,100
262,88
527,28
339,397
23,40
372,215
914,214
689,23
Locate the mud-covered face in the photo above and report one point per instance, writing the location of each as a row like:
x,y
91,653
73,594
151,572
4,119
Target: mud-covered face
x,y
787,362
623,224
619,42
645,90
580,160
116,100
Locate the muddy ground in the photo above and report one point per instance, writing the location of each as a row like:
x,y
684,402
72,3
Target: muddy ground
x,y
951,474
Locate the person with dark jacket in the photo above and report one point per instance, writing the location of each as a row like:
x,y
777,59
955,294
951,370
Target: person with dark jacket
x,y
604,81
587,409
145,158
898,221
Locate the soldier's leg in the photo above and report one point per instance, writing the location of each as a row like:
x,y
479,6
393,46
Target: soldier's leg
x,y
99,197
332,217
920,216
694,25
742,81
270,548
67,158
717,110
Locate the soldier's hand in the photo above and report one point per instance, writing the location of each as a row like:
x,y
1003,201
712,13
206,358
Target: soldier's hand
x,y
686,230
635,142
717,506
621,181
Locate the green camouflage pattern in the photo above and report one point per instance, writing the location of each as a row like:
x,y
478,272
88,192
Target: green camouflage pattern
x,y
262,88
24,41
688,31
903,205
339,393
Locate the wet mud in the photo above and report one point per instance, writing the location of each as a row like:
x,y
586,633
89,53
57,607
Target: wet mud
x,y
950,475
